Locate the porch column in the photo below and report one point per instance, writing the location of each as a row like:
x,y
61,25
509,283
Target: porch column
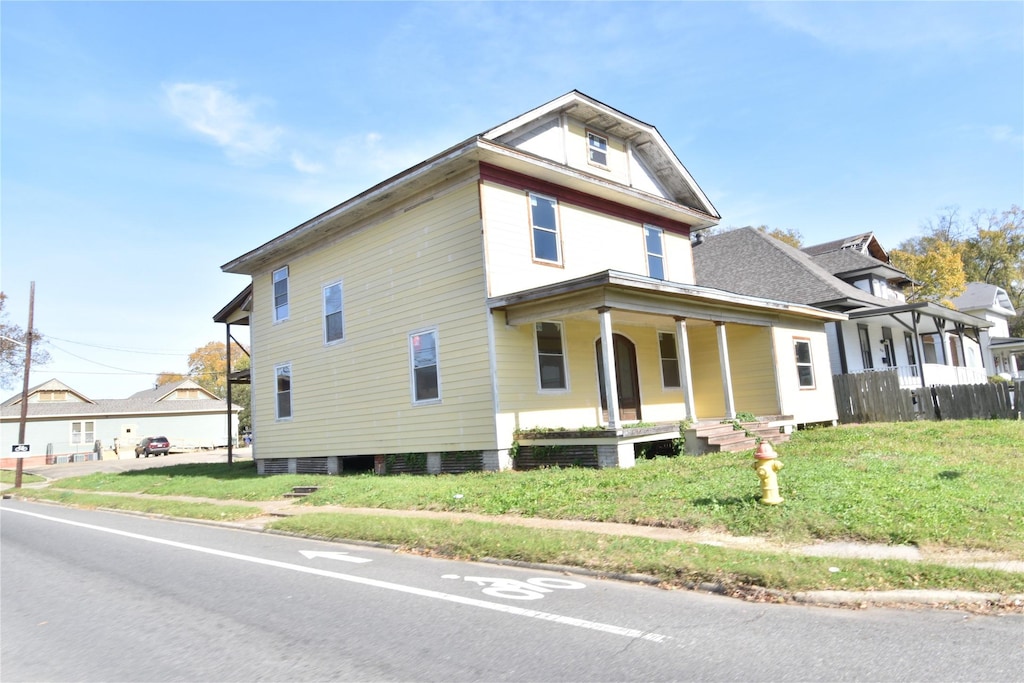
x,y
1013,365
723,361
611,381
685,373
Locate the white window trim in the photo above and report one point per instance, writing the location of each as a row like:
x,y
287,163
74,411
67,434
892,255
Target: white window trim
x,y
534,227
291,393
648,253
273,294
661,362
437,366
590,148
809,363
565,359
341,286
82,431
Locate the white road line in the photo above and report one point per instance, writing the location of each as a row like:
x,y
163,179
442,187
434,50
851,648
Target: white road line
x,y
436,595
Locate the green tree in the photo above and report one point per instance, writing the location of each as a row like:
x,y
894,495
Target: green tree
x,y
12,349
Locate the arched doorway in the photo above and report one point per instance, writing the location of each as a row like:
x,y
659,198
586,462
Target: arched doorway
x,y
628,386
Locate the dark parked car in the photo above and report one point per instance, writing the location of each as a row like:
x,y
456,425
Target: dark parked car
x,y
153,445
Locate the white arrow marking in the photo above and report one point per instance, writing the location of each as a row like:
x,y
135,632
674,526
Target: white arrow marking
x,y
334,556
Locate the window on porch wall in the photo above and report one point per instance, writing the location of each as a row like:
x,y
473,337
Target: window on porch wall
x,y
550,356
865,347
669,360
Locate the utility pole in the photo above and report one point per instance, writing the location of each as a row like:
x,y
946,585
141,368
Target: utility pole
x,y
20,464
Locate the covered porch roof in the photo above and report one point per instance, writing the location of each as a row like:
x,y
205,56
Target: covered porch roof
x,y
913,316
635,294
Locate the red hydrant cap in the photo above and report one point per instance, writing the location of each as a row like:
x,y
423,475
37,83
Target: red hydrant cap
x,y
765,451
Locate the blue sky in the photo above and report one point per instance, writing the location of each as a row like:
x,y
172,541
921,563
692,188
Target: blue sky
x,y
146,144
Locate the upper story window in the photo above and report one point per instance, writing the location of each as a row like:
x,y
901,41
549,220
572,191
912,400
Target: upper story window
x,y
281,294
544,221
597,149
426,377
653,239
669,360
283,405
334,324
52,395
550,356
804,367
186,394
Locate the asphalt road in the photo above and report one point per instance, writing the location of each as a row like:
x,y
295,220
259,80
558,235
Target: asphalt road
x,y
91,595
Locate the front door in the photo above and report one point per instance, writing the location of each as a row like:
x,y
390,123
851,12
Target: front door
x,y
628,389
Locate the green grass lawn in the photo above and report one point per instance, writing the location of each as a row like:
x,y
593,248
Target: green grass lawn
x,y
8,476
948,485
956,484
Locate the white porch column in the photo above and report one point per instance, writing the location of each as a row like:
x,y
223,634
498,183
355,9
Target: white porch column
x,y
723,360
611,381
1013,365
685,372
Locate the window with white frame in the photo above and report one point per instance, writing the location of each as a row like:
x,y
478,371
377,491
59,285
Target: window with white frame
x,y
334,324
865,347
426,377
669,360
283,391
83,432
804,367
544,222
597,149
550,356
281,294
654,242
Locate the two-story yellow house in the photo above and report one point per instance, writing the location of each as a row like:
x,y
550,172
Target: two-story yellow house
x,y
431,322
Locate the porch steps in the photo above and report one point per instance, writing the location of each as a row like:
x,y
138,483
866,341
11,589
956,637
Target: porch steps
x,y
723,437
301,491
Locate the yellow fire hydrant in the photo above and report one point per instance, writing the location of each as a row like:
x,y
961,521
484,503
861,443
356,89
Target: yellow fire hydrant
x,y
766,465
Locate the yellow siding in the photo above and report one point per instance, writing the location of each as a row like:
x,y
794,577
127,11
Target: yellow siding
x,y
577,150
590,243
708,397
413,270
522,404
753,373
808,405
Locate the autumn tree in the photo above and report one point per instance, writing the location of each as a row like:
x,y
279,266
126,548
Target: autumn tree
x,y
207,367
791,237
935,266
12,349
168,377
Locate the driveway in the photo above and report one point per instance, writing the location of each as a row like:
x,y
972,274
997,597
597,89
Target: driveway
x,y
78,469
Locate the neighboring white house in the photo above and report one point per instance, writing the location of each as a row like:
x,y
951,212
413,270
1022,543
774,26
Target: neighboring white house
x,y
1004,355
64,425
927,344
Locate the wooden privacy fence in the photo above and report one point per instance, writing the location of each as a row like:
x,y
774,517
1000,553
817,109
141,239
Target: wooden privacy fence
x,y
877,397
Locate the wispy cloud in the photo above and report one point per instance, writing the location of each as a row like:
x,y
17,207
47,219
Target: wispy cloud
x,y
901,26
217,114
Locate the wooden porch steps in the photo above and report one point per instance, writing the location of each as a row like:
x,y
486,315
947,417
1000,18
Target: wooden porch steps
x,y
724,437
301,491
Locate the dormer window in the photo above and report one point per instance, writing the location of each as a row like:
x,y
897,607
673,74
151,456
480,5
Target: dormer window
x,y
597,149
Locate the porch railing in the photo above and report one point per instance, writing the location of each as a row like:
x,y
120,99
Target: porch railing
x,y
935,374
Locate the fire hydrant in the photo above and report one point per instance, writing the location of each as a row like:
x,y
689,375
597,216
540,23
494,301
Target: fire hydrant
x,y
766,465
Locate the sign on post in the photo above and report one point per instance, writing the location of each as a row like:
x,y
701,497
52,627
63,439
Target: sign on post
x,y
20,448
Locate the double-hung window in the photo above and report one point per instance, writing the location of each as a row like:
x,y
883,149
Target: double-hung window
x,y
426,377
550,356
283,405
669,360
653,240
281,294
334,323
544,221
804,367
597,149
83,432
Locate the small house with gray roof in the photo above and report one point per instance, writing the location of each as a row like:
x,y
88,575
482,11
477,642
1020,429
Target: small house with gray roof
x,y
64,425
1004,354
927,344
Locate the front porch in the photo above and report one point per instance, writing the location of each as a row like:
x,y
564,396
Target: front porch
x,y
603,448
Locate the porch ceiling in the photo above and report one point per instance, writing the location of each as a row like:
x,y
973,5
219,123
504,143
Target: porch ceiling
x,y
641,297
938,315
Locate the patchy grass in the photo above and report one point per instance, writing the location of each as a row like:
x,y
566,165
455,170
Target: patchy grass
x,y
8,477
955,484
162,506
674,563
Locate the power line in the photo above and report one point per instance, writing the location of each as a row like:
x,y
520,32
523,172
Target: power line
x,y
123,350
